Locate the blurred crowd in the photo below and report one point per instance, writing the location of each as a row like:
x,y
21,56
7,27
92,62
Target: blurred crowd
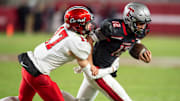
x,y
48,16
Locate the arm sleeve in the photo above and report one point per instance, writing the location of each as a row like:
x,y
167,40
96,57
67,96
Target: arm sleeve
x,y
79,48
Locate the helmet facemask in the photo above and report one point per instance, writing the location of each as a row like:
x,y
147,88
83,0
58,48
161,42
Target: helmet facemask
x,y
90,26
79,28
84,28
141,32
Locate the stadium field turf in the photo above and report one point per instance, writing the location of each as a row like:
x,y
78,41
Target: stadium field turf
x,y
141,83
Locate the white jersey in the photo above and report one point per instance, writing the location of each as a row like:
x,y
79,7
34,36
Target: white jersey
x,y
55,52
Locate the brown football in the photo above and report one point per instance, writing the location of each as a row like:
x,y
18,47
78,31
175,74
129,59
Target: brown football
x,y
137,49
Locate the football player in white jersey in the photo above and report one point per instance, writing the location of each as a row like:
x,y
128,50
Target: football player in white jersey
x,y
67,44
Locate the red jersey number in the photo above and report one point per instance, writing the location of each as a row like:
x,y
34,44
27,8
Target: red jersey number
x,y
59,35
122,49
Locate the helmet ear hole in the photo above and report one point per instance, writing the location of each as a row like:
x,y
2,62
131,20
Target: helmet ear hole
x,y
133,19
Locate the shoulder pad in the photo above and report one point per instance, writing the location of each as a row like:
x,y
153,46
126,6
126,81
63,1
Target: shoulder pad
x,y
113,28
106,27
80,48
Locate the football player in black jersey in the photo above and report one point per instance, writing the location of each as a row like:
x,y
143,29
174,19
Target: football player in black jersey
x,y
114,37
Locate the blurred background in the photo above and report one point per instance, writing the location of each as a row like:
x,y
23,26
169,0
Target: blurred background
x,y
47,15
26,23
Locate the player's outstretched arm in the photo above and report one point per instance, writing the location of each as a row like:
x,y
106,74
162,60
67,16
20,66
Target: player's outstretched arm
x,y
85,66
94,70
103,71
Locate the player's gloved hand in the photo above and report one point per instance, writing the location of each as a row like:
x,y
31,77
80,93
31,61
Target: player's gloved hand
x,y
145,56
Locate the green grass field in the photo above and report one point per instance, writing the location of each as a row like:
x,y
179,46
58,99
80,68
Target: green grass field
x,y
141,83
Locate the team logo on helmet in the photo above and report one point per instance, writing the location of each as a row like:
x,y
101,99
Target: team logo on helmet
x,y
72,20
130,10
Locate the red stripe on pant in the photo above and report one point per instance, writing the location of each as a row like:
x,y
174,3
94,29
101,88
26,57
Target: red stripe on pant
x,y
108,89
42,84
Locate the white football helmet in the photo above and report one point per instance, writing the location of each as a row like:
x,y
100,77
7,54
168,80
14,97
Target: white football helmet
x,y
136,12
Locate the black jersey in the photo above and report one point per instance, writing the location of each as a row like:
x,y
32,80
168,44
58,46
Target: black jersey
x,y
118,40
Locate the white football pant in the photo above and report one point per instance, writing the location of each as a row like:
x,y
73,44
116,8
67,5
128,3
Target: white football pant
x,y
90,88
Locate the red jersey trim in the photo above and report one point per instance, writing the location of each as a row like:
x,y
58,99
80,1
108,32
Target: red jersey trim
x,y
108,89
124,29
117,37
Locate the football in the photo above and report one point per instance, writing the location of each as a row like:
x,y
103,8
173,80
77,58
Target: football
x,y
137,49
